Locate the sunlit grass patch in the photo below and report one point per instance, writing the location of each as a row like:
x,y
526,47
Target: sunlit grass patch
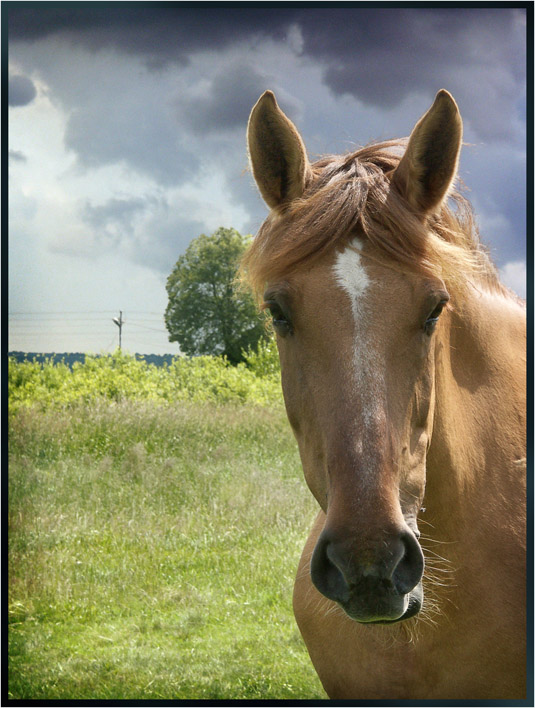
x,y
152,553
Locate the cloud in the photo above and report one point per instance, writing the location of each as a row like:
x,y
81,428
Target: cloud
x,y
112,221
495,176
227,101
21,90
224,101
513,275
162,239
378,55
150,231
142,134
158,34
114,109
116,210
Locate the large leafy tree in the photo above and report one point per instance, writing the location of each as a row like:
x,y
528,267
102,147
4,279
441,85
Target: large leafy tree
x,y
206,313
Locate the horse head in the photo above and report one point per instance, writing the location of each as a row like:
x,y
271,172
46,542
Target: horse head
x,y
357,324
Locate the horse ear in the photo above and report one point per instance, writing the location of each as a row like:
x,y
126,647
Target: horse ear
x,y
277,153
429,165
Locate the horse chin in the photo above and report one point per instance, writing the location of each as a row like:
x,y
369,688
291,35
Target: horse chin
x,y
415,602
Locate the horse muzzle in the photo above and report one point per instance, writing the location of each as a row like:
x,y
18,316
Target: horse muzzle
x,y
383,587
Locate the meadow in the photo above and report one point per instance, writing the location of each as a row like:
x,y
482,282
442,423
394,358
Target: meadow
x,y
154,532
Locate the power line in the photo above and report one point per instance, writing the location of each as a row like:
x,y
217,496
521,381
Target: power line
x,y
50,318
87,312
27,328
79,320
153,329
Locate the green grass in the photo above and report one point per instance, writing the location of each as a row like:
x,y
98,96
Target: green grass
x,y
152,553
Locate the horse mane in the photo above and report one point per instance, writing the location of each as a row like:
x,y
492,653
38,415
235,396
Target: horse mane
x,y
349,196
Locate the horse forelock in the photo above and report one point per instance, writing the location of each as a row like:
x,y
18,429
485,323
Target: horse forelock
x,y
348,196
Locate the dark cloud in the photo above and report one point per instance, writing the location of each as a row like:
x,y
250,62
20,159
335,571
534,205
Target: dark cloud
x,y
21,90
378,55
228,104
116,211
495,180
381,54
146,139
160,34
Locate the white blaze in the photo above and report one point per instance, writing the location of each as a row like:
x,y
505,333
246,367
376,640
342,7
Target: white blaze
x,y
351,275
367,375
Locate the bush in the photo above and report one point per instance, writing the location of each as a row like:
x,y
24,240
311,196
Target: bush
x,y
120,376
264,360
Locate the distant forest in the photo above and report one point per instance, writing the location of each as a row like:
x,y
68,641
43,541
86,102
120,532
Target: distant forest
x,y
69,358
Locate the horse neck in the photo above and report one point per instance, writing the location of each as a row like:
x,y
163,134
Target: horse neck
x,y
477,455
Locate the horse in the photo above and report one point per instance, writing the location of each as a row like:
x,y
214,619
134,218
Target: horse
x,y
403,364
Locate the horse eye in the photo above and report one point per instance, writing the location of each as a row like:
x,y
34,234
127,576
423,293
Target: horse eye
x,y
283,327
431,321
280,322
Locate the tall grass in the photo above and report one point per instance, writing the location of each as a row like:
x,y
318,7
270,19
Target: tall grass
x,y
152,552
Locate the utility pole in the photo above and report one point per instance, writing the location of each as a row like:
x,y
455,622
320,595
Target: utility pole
x,y
119,322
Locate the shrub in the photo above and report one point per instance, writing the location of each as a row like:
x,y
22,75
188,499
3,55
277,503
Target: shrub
x,y
121,376
264,360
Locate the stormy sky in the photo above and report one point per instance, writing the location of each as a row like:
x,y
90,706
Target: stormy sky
x,y
127,137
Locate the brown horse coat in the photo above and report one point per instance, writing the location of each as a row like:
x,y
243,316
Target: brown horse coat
x,y
403,372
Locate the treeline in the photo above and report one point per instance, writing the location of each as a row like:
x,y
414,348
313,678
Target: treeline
x,y
69,358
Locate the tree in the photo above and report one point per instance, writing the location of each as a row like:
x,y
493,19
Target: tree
x,y
206,313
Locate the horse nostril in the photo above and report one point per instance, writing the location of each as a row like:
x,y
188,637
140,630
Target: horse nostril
x,y
340,576
409,569
326,573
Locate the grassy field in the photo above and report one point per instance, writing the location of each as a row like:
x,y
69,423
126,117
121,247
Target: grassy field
x,y
152,552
